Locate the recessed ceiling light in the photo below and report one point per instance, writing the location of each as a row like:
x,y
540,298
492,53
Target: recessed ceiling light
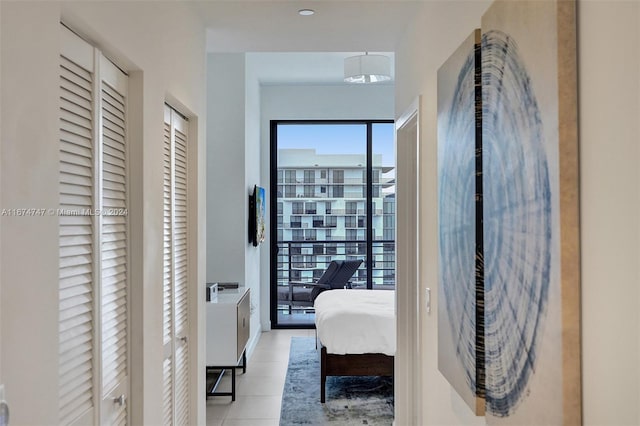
x,y
306,12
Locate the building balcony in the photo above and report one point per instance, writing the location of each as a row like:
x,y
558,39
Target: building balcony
x,y
319,253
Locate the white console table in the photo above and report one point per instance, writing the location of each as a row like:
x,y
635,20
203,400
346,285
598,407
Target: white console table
x,y
228,329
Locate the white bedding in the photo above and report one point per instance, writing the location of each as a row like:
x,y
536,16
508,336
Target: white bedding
x,y
356,321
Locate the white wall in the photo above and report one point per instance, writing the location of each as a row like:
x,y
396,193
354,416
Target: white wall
x,y
609,94
609,114
253,176
233,169
321,102
326,102
441,26
147,42
1,207
226,189
29,245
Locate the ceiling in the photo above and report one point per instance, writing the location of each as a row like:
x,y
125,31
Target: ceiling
x,y
276,26
292,49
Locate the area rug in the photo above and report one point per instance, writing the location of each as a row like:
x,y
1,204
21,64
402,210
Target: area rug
x,y
349,400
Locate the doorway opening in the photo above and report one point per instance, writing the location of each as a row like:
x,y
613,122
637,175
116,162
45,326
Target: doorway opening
x,y
333,198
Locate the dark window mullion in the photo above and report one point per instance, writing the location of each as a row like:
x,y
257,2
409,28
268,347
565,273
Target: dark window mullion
x,y
274,227
369,203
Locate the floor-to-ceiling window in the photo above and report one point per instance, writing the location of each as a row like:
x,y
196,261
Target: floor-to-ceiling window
x,y
332,198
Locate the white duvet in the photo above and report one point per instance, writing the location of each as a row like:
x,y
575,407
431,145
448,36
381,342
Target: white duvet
x,y
356,321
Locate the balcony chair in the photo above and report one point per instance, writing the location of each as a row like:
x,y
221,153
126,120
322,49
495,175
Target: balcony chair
x,y
303,294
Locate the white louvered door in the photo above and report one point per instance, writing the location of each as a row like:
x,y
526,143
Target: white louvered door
x,y
93,283
77,247
167,283
179,126
175,284
113,240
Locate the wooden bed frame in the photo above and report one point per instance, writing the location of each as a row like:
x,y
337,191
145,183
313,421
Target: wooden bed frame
x,y
352,365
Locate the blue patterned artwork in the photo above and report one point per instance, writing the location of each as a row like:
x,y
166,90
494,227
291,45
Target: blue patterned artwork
x,y
460,314
508,216
517,223
530,186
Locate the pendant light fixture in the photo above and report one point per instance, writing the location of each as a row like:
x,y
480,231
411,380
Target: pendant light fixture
x,y
367,69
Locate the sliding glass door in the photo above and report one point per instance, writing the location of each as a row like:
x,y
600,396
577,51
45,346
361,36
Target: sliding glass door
x,y
333,198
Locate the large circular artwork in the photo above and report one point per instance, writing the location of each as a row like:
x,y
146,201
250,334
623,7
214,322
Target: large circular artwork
x,y
517,223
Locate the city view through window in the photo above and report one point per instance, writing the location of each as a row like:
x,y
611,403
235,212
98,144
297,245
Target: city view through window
x,y
334,200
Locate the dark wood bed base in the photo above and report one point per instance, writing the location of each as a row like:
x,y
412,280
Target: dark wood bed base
x,y
352,365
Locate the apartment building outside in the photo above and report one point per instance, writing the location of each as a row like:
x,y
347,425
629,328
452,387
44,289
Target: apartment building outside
x,y
322,215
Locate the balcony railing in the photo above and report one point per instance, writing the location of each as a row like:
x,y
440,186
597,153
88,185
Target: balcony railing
x,y
307,260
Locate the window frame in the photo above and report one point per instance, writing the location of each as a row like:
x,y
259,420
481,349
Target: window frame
x,y
335,182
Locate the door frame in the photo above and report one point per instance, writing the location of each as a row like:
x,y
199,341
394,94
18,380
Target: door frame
x,y
408,372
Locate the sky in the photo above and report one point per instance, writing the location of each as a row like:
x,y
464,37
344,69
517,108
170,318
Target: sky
x,y
339,139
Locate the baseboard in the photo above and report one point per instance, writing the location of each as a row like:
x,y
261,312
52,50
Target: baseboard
x,y
253,341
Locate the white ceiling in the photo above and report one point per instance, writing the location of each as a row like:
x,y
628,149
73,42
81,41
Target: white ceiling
x,y
292,49
276,26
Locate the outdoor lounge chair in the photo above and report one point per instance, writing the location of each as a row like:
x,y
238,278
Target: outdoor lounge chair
x,y
303,294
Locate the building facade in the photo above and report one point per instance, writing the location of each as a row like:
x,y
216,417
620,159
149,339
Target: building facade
x,y
322,215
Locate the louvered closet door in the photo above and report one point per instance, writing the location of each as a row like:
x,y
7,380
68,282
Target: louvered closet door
x,y
93,279
76,229
114,255
175,290
167,283
179,126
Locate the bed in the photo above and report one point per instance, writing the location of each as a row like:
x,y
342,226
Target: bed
x,y
357,333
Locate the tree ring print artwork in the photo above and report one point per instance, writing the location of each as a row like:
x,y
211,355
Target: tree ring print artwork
x,y
459,179
517,223
456,196
509,311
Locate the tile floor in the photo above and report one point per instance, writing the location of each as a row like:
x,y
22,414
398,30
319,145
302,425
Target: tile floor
x,y
259,390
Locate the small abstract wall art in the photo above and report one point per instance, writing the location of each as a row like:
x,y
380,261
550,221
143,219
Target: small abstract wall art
x,y
509,336
460,314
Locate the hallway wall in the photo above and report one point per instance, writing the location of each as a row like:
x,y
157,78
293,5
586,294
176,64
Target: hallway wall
x,y
609,111
233,168
162,48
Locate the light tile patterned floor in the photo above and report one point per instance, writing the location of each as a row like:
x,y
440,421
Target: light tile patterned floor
x,y
259,391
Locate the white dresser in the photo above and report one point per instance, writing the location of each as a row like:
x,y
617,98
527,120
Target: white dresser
x,y
228,327
228,319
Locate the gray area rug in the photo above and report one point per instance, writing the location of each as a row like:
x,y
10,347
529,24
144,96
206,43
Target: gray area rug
x,y
350,400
